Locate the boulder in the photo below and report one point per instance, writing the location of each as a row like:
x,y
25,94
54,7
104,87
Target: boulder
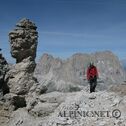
x,y
13,101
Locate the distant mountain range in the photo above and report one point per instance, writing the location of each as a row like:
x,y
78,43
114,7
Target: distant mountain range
x,y
70,74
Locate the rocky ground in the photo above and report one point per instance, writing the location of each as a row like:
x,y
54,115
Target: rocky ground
x,y
71,109
120,89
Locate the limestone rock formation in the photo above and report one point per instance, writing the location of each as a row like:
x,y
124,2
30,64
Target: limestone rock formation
x,y
20,77
70,74
73,109
85,109
13,101
23,42
3,69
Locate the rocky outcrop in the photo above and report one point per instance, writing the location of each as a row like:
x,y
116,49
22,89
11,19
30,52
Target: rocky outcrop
x,y
20,77
83,109
70,75
23,42
73,109
3,69
4,114
13,101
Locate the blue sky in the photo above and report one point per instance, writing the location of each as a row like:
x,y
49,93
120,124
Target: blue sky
x,y
68,26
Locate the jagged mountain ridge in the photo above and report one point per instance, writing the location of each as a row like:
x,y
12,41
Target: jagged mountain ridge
x,y
70,74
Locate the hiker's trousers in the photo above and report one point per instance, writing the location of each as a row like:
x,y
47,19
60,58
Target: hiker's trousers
x,y
93,84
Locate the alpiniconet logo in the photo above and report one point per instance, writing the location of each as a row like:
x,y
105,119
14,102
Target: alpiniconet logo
x,y
116,113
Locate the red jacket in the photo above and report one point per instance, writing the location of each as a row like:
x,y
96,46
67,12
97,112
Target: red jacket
x,y
92,72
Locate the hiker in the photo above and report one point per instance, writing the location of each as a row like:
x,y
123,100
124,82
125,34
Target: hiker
x,y
92,75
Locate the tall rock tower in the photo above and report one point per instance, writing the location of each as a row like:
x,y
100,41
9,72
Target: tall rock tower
x,y
23,43
23,40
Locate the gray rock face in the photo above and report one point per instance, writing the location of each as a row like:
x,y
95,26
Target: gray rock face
x,y
70,74
23,40
20,77
45,104
3,70
50,110
13,101
85,109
